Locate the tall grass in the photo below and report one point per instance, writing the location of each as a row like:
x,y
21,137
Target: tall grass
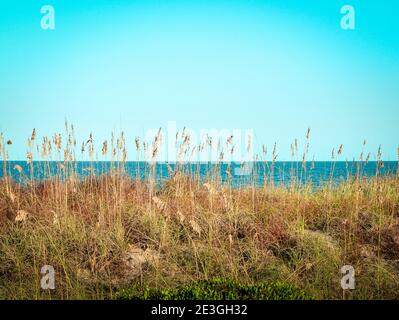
x,y
107,232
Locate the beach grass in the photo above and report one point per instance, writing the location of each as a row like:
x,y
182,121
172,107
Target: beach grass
x,y
109,234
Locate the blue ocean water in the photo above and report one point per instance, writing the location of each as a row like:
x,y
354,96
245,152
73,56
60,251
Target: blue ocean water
x,y
317,173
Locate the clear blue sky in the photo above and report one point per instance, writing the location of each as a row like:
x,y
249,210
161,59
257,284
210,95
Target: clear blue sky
x,y
277,67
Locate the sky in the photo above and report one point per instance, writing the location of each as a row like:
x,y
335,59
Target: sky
x,y
274,67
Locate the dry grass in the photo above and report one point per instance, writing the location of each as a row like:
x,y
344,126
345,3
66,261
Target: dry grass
x,y
105,233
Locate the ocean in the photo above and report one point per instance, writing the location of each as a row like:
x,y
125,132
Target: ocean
x,y
317,173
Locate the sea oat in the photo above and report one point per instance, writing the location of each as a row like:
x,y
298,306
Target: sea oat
x,y
137,142
161,205
12,196
180,216
29,158
33,136
195,226
22,215
340,149
104,148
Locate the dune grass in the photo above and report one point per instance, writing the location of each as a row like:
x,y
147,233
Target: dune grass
x,y
107,234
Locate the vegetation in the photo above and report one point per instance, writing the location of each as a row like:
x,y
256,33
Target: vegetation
x,y
112,236
217,289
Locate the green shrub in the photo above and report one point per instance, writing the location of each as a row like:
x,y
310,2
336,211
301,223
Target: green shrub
x,y
217,289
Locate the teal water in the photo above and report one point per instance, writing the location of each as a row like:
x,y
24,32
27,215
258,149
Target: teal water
x,y
278,173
